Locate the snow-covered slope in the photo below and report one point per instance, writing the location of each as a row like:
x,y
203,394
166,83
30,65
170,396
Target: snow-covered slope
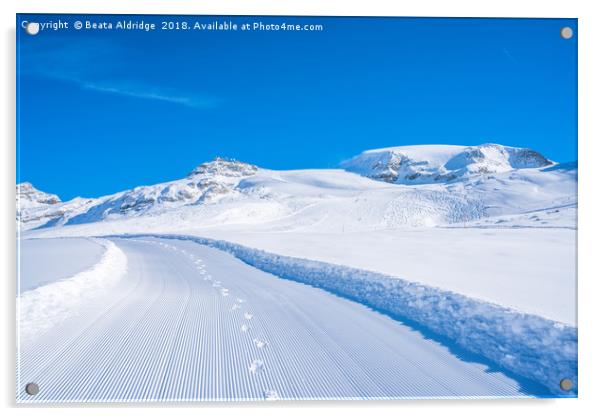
x,y
341,217
450,185
191,323
28,196
441,163
501,234
36,208
208,183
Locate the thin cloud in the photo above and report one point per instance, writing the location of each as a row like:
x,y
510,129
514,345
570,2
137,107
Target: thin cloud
x,y
509,56
95,65
153,93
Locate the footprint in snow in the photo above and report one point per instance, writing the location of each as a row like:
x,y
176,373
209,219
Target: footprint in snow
x,y
225,292
239,300
271,395
245,328
235,307
217,284
259,343
248,316
256,366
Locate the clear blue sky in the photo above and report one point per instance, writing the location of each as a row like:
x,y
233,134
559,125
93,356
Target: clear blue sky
x,y
103,111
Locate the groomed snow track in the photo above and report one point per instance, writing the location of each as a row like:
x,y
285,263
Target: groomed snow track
x,y
539,349
189,322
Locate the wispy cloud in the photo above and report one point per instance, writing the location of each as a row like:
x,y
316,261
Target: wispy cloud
x,y
509,56
149,92
98,66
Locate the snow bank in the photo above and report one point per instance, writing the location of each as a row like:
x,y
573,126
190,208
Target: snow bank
x,y
42,260
42,308
536,348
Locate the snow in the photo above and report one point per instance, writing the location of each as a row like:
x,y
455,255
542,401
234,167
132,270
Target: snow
x,y
44,307
528,269
36,208
165,334
42,263
508,238
474,244
340,202
539,349
435,154
511,242
28,196
441,163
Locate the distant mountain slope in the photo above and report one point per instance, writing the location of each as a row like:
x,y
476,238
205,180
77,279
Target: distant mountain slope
x,y
396,187
36,208
30,197
441,163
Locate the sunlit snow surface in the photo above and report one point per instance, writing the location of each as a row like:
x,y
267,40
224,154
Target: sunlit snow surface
x,y
452,274
166,332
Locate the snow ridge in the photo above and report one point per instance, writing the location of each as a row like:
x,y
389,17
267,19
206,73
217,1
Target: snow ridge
x,y
441,163
46,306
28,195
457,185
533,347
209,182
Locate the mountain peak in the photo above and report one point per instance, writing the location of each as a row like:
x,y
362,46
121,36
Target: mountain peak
x,y
441,163
28,195
224,167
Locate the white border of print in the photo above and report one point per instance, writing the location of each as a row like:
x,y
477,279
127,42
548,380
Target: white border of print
x,y
590,178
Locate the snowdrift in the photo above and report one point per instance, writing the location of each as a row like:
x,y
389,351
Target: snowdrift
x,y
530,346
40,309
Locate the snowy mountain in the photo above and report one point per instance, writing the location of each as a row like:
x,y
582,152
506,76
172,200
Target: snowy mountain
x,y
207,183
28,196
36,208
441,163
493,274
487,185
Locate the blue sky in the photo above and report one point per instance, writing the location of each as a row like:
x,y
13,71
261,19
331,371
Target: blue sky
x,y
103,111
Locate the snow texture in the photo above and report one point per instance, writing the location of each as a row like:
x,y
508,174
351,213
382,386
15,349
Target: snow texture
x,y
442,163
163,333
40,309
441,200
29,196
41,263
530,269
401,187
539,349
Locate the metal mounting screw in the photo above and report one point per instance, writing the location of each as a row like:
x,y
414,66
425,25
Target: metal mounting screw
x,y
566,32
32,389
566,384
32,28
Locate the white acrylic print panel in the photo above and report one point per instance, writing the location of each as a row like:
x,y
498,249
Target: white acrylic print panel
x,y
216,208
